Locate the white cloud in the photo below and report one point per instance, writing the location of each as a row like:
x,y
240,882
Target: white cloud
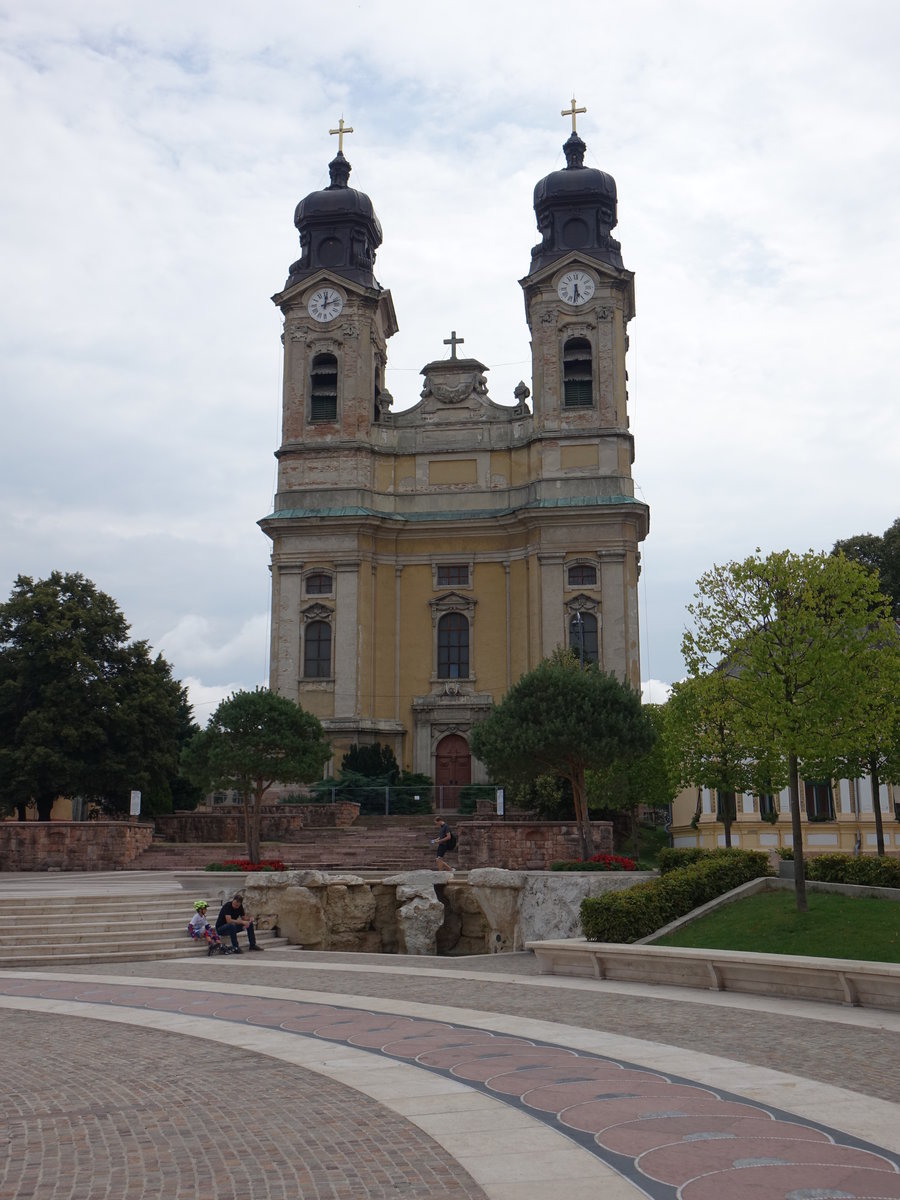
x,y
152,163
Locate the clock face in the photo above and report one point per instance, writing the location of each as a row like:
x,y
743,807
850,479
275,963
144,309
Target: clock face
x,y
575,287
325,304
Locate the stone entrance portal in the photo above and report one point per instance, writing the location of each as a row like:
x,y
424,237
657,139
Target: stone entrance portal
x,y
452,769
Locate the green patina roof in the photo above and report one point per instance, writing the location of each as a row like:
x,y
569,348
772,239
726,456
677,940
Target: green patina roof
x,y
354,510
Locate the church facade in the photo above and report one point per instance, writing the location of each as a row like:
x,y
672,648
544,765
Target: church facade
x,y
423,560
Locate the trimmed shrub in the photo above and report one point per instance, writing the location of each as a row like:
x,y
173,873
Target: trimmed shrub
x,y
671,858
844,868
636,913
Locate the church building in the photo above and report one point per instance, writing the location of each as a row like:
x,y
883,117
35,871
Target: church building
x,y
423,560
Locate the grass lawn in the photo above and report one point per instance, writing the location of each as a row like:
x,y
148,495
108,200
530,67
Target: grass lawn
x,y
835,927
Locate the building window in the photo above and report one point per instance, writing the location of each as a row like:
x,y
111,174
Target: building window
x,y
583,637
582,575
578,374
453,575
767,805
323,388
318,584
453,646
317,650
819,800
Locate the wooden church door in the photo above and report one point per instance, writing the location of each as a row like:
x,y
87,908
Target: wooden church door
x,y
452,769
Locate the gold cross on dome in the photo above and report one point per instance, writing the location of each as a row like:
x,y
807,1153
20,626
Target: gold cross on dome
x,y
453,341
570,112
342,129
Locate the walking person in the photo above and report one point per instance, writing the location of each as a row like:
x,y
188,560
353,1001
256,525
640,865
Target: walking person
x,y
232,919
444,843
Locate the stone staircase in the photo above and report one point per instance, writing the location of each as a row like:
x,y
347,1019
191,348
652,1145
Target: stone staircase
x,y
387,845
59,931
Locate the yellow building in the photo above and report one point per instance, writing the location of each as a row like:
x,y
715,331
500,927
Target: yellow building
x,y
423,560
836,816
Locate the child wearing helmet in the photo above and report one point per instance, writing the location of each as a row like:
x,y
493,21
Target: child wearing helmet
x,y
199,928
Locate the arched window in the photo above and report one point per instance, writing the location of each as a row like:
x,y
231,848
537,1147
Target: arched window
x,y
582,575
578,374
318,584
453,646
583,636
323,388
317,650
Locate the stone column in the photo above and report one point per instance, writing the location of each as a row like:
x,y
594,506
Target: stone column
x,y
553,617
614,626
286,584
346,632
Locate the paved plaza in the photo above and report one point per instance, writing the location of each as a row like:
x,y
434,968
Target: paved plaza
x,y
350,1077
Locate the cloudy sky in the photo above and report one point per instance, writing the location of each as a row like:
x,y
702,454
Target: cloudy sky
x,y
152,157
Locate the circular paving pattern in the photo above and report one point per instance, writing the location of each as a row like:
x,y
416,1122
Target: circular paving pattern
x,y
668,1135
183,1119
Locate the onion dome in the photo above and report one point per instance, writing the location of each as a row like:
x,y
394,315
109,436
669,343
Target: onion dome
x,y
576,210
338,230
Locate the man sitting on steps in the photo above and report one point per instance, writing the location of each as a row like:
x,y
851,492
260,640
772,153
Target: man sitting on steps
x,y
232,919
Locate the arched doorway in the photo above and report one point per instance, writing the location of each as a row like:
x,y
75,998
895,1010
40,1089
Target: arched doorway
x,y
452,769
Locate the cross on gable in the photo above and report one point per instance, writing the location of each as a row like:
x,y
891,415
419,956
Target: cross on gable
x,y
570,112
453,341
342,129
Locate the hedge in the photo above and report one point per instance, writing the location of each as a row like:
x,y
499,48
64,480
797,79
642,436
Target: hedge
x,y
844,868
638,912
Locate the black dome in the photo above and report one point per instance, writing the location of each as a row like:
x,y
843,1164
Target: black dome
x,y
338,230
576,210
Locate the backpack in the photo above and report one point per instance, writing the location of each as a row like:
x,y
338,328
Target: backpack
x,y
451,845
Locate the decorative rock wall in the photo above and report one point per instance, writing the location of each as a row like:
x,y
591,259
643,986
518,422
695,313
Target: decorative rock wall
x,y
423,912
71,845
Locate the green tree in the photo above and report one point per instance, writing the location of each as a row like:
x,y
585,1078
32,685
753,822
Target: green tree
x,y
631,783
798,636
879,554
563,719
83,710
373,762
252,740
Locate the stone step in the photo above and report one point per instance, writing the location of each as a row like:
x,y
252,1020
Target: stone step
x,y
65,956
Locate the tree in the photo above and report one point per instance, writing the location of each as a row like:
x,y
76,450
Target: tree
x,y
373,762
252,740
563,719
83,711
879,554
798,636
707,744
630,783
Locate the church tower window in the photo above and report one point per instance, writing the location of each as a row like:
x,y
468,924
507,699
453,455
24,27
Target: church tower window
x,y
578,373
318,584
453,646
582,575
583,636
323,388
317,650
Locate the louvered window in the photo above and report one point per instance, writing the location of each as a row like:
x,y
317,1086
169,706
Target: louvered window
x,y
323,388
578,376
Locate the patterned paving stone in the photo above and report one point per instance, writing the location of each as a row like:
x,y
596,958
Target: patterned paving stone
x,y
92,1110
674,1137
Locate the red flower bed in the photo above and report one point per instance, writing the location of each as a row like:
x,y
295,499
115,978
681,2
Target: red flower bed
x,y
244,864
614,862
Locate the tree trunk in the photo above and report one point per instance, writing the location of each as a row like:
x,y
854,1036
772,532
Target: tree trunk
x,y
635,832
797,831
21,812
254,820
44,806
583,816
248,824
876,804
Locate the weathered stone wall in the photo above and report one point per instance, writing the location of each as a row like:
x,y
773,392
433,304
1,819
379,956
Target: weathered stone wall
x,y
278,823
526,845
71,845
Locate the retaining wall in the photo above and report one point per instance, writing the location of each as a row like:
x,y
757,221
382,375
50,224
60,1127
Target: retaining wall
x,y
71,845
279,823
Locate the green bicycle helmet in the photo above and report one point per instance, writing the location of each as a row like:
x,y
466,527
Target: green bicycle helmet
x,y
199,905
